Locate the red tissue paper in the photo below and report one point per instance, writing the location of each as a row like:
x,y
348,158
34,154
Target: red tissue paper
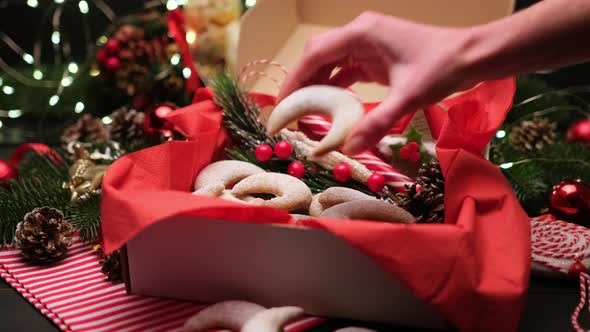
x,y
473,269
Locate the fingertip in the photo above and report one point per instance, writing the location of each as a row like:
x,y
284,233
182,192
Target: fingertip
x,y
355,145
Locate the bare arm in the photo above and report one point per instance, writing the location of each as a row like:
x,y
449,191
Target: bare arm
x,y
422,64
550,34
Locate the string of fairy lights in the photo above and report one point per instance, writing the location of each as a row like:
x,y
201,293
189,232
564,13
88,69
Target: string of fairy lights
x,y
61,48
54,9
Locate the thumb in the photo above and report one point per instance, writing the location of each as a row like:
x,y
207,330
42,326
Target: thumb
x,y
376,124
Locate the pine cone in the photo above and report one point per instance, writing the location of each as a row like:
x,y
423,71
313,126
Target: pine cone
x,y
430,175
85,129
424,199
133,79
533,135
111,266
127,125
44,236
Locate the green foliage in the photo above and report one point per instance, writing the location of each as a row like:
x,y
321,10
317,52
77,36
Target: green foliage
x,y
413,135
532,174
240,114
241,121
85,216
40,183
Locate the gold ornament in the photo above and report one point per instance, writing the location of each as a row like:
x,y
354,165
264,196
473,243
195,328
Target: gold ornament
x,y
85,176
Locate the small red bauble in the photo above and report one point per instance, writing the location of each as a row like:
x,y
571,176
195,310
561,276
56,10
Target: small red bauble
x,y
263,153
579,132
411,151
342,172
376,182
112,63
7,171
570,201
101,56
283,150
155,121
296,169
113,46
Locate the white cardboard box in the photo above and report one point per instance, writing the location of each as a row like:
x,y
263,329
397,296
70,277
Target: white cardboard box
x,y
215,260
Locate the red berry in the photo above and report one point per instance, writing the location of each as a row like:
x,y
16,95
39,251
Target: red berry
x,y
283,150
263,153
101,56
113,46
404,152
296,169
413,146
376,182
342,172
415,156
112,63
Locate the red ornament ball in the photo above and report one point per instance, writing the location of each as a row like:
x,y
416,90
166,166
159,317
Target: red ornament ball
x,y
101,56
376,182
579,132
342,172
296,169
570,201
112,63
156,123
283,150
7,171
263,153
113,46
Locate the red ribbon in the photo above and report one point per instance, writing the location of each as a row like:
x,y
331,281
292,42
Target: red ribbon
x,y
176,28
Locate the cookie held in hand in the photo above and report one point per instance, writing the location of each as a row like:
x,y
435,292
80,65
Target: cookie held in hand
x,y
337,103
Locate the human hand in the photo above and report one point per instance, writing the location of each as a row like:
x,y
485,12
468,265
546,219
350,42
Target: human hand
x,y
421,64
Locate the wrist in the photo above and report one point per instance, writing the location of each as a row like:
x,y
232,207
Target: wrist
x,y
480,55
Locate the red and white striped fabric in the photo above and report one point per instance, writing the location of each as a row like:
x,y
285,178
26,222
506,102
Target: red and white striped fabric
x,y
75,295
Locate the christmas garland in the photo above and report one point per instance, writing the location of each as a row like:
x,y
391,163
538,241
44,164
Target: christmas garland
x,y
532,148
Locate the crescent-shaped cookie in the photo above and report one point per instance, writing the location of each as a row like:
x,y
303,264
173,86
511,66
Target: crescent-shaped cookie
x,y
337,103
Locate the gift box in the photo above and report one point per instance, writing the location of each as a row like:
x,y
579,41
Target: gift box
x,y
470,272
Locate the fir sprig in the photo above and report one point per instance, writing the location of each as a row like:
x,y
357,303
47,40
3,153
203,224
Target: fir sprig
x,y
40,183
533,173
85,216
241,115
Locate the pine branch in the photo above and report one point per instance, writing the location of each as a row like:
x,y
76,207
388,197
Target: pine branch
x,y
240,114
241,121
85,216
35,187
40,183
532,175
